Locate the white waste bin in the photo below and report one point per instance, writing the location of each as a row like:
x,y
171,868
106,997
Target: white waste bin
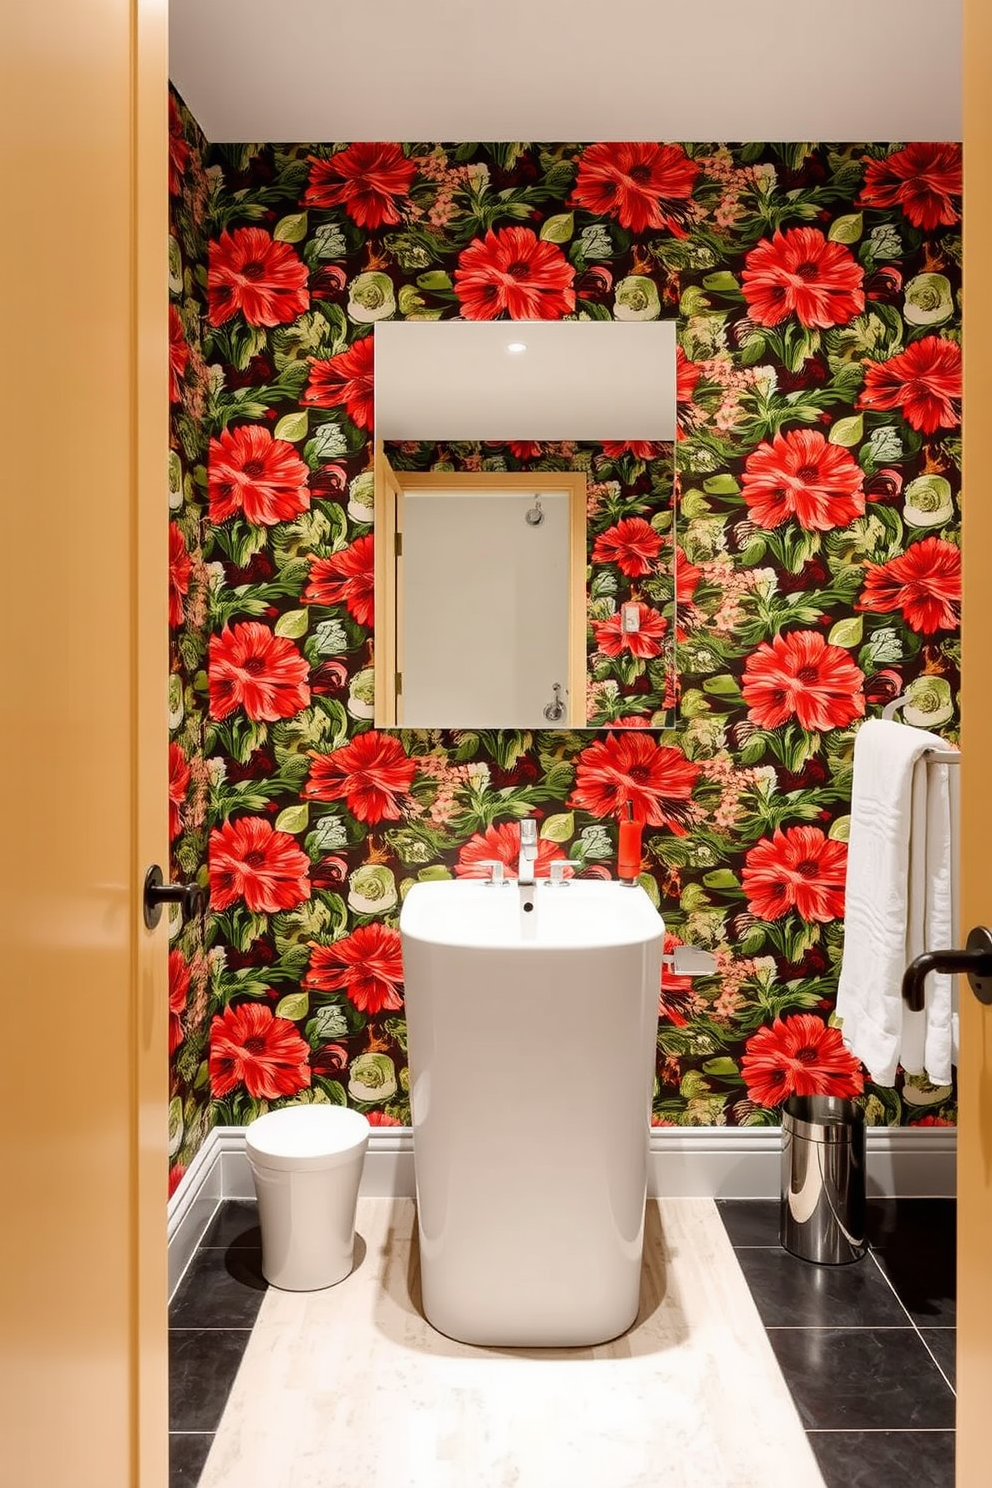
x,y
306,1163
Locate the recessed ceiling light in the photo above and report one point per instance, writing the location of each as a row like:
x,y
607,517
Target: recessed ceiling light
x,y
516,347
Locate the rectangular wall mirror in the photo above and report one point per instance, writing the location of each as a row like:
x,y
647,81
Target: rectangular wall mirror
x,y
488,614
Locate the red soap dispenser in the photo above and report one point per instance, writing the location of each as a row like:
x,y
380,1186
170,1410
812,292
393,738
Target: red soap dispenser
x,y
629,847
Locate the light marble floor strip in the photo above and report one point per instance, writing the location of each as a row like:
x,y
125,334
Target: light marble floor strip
x,y
351,1388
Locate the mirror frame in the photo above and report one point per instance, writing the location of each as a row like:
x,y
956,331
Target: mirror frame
x,y
390,487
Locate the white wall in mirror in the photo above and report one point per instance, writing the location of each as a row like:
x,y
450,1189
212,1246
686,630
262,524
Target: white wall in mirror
x,y
576,380
486,607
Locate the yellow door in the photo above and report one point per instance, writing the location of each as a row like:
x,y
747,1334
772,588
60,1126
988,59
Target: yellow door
x,y
83,731
974,1460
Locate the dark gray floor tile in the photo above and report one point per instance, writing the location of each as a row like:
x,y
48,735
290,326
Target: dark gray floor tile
x,y
942,1343
863,1379
221,1289
790,1293
865,1459
925,1279
930,1223
235,1225
202,1366
750,1221
187,1455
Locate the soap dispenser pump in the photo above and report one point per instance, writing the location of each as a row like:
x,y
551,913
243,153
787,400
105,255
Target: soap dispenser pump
x,y
629,848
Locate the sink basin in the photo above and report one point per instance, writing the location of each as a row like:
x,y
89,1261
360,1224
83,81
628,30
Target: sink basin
x,y
577,914
532,1047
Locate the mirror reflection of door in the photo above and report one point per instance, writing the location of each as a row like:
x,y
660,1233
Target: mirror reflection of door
x,y
486,632
480,599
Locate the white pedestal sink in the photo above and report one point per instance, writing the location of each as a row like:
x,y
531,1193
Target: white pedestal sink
x,y
532,1045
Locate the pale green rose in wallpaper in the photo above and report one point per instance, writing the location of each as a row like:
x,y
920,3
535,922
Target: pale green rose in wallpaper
x,y
361,694
929,300
928,702
373,1078
371,889
927,501
361,497
637,298
371,297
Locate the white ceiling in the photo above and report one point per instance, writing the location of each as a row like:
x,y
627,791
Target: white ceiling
x,y
449,70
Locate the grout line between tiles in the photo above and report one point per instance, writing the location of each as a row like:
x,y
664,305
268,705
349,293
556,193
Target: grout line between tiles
x,y
232,1328
880,1430
840,1328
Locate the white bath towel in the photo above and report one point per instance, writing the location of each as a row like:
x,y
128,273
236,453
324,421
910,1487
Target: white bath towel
x,y
899,902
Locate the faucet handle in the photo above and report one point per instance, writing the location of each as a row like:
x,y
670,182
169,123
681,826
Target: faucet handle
x,y
497,870
559,871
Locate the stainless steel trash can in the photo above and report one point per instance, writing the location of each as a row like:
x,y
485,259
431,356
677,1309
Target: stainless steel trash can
x,y
823,1179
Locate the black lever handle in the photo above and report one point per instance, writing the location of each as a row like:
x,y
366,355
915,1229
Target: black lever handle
x,y
975,960
191,897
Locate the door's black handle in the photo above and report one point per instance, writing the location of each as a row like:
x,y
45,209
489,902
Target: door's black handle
x,y
975,960
191,897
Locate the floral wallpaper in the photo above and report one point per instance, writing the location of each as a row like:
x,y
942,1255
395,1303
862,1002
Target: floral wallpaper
x,y
817,472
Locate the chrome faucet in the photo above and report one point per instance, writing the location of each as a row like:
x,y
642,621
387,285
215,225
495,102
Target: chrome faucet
x,y
528,850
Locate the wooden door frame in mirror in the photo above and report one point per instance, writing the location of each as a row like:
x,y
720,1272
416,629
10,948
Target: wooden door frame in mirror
x,y
389,488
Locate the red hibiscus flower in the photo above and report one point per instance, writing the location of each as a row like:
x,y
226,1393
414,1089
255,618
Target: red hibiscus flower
x,y
642,184
262,673
369,774
262,478
366,965
179,773
687,575
922,180
656,778
501,844
178,354
379,1118
179,978
801,869
640,449
687,375
799,1055
924,382
367,179
800,675
924,583
801,475
250,1046
250,272
513,272
345,381
250,860
799,272
632,544
180,570
179,151
347,578
645,641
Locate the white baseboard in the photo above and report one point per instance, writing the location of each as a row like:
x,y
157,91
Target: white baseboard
x,y
708,1162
